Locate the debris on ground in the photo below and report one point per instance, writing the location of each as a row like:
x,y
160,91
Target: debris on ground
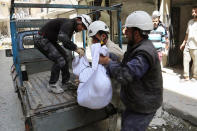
x,y
163,121
5,42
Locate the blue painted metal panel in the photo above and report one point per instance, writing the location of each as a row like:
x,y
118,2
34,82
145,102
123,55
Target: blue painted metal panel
x,y
15,49
84,39
119,28
33,5
22,35
31,23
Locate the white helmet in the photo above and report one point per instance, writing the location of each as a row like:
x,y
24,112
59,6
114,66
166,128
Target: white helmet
x,y
97,26
139,19
155,14
86,20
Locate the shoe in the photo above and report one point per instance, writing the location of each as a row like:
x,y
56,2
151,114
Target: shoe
x,y
55,88
68,86
185,79
194,79
110,109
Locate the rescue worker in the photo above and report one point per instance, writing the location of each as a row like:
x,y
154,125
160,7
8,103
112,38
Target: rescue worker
x,y
139,74
100,34
98,31
47,41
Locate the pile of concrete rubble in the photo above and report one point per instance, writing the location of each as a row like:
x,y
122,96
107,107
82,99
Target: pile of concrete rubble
x,y
5,42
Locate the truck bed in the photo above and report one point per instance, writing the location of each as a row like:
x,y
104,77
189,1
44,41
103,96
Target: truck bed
x,y
47,111
40,99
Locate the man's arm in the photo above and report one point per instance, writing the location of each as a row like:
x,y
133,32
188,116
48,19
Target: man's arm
x,y
135,68
67,43
63,36
184,43
186,38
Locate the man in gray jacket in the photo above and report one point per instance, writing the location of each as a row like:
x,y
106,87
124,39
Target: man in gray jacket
x,y
139,74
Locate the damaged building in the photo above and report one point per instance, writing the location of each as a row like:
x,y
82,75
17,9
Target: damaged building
x,y
174,14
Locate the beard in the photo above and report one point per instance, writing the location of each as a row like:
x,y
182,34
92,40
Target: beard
x,y
131,42
195,16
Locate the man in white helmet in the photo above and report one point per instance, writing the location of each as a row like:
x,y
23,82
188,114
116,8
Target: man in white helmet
x,y
95,29
47,41
139,74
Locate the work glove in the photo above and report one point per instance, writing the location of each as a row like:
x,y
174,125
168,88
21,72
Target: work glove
x,y
80,51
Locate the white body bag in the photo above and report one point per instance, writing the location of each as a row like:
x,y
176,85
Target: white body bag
x,y
95,90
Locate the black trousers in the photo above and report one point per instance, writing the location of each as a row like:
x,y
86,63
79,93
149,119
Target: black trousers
x,y
132,121
57,54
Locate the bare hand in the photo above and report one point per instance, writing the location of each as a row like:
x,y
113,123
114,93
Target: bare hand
x,y
80,51
182,47
104,60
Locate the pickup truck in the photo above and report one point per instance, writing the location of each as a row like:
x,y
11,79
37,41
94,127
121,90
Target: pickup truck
x,y
43,110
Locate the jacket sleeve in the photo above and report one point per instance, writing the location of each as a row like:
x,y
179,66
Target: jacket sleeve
x,y
67,43
120,73
135,68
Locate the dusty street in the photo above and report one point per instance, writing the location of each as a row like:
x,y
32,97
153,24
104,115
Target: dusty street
x,y
11,117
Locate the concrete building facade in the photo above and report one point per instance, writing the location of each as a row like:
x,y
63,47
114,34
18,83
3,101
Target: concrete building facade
x,y
174,14
4,17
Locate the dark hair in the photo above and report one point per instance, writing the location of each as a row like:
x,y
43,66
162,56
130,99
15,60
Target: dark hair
x,y
194,7
143,34
103,32
100,33
80,23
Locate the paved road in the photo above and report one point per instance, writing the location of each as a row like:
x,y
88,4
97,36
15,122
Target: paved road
x,y
11,117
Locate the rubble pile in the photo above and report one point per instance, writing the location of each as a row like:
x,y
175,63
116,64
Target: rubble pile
x,y
163,121
5,42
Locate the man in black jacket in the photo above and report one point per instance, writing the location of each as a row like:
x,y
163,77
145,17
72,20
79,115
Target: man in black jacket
x,y
139,74
47,41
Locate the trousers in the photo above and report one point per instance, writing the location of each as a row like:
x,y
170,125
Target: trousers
x,y
188,55
57,54
132,121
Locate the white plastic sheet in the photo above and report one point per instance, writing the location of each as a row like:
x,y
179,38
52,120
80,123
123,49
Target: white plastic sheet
x,y
95,89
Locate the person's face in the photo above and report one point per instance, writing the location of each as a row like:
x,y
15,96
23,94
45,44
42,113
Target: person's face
x,y
128,33
194,12
80,27
94,40
155,22
97,38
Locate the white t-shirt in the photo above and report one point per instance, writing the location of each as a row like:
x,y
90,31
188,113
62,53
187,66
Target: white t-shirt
x,y
192,34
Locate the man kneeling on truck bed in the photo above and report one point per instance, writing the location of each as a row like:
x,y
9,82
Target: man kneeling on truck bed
x,y
60,29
